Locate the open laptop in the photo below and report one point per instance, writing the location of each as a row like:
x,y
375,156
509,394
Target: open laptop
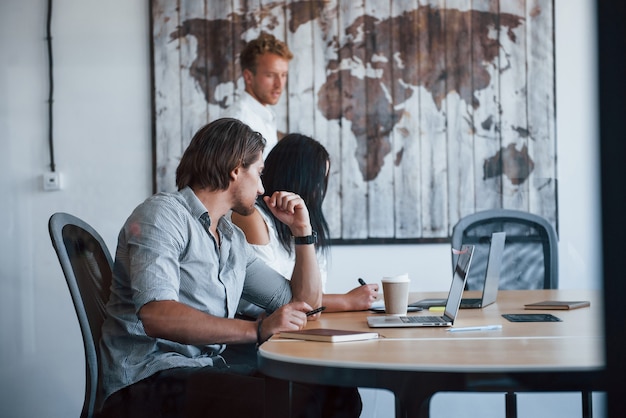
x,y
490,284
452,306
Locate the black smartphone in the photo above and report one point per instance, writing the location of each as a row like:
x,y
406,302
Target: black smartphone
x,y
531,318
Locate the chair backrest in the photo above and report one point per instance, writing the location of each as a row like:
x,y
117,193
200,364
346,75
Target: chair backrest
x,y
87,266
530,259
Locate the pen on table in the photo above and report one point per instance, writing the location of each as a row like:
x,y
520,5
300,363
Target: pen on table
x,y
483,328
316,310
362,282
437,308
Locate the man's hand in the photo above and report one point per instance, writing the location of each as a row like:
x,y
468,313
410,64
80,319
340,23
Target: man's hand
x,y
291,210
289,317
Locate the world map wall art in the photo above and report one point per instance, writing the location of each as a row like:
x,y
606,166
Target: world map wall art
x,y
430,110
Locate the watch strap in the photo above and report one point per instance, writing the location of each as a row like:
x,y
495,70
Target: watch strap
x,y
306,240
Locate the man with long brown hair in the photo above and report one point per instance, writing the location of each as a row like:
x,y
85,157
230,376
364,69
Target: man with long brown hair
x,y
181,267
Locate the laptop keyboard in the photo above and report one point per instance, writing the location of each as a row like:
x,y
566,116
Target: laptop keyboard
x,y
421,319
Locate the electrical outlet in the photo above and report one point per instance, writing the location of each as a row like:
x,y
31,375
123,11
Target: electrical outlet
x,y
51,181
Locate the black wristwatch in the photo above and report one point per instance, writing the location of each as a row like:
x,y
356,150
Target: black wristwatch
x,y
309,239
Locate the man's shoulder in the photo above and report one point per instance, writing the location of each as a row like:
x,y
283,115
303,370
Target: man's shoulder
x,y
241,107
164,199
162,205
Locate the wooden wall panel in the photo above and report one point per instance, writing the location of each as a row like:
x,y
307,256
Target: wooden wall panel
x,y
486,117
516,162
166,75
406,142
328,132
432,82
430,109
459,114
540,104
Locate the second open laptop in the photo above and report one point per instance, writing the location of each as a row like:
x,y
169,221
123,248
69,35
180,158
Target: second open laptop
x,y
490,284
459,277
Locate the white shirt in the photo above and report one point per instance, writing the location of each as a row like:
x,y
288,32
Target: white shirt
x,y
260,118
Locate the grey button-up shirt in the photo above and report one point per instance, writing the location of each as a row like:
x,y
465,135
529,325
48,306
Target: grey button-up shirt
x,y
165,252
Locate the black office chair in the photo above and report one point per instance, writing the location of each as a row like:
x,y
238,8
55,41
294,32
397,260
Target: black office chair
x,y
87,266
530,259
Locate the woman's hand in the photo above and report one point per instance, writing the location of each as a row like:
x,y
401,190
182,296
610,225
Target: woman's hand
x,y
290,209
361,298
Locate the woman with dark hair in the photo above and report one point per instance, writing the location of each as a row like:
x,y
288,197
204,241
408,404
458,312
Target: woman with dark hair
x,y
301,165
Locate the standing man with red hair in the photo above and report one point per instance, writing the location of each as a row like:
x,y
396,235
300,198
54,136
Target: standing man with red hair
x,y
265,64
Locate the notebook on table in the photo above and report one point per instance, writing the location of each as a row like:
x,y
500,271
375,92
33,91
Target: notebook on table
x,y
490,284
452,306
329,335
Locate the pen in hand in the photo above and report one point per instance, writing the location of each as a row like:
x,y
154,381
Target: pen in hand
x,y
314,311
362,282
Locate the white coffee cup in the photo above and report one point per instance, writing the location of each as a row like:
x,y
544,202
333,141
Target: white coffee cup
x,y
396,294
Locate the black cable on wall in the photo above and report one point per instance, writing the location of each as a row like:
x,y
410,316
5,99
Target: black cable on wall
x,y
51,80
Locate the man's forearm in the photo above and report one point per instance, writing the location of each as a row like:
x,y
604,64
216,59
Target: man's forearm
x,y
175,321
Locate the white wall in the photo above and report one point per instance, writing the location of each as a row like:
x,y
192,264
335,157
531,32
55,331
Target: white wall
x,y
103,150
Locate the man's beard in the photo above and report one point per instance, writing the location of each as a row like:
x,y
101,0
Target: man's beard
x,y
242,209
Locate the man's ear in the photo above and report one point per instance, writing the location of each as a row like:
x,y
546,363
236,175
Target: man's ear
x,y
247,77
234,174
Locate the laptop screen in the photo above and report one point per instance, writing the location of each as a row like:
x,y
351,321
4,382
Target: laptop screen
x,y
494,262
458,281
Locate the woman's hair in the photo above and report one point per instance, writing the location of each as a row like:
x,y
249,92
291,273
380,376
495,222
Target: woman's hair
x,y
216,150
299,164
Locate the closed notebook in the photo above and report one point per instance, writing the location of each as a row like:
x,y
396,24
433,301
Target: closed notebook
x,y
558,304
329,335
